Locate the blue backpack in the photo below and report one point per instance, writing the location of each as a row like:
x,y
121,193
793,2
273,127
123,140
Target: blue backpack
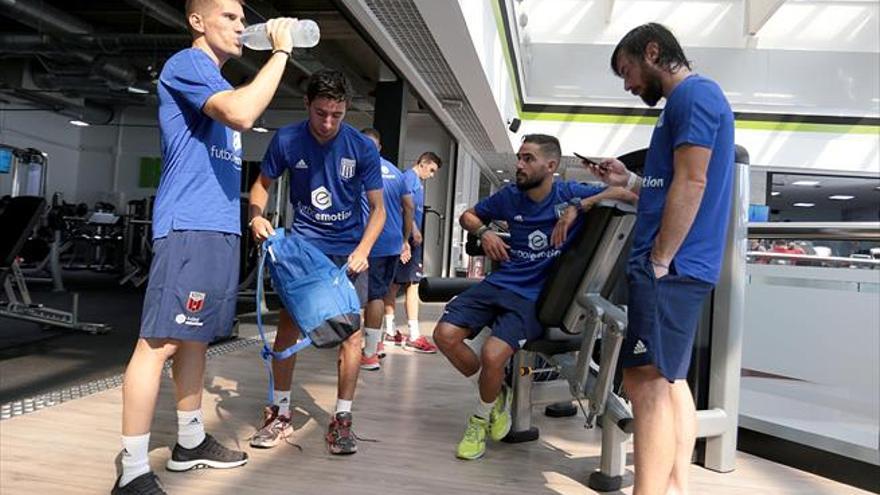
x,y
316,293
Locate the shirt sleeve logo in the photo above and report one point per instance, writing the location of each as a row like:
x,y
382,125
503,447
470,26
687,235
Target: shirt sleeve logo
x,y
321,198
346,168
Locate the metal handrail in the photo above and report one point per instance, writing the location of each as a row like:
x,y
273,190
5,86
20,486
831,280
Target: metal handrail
x,y
813,257
837,231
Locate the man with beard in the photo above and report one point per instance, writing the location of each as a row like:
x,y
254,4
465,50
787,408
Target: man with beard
x,y
678,242
541,213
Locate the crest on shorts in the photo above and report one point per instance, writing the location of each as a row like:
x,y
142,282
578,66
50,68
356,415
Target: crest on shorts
x,y
346,168
195,302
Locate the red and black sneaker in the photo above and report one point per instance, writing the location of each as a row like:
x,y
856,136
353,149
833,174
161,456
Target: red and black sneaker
x,y
340,439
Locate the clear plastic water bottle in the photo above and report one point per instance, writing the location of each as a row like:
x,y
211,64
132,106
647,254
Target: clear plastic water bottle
x,y
305,34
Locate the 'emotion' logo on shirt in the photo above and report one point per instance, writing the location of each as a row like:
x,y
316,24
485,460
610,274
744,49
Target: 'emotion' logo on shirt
x,y
321,198
346,168
537,240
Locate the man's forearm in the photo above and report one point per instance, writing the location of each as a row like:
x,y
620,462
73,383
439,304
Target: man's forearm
x,y
470,222
682,205
374,226
408,223
257,199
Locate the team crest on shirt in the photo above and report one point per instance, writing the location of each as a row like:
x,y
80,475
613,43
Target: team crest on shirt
x,y
195,302
236,140
346,168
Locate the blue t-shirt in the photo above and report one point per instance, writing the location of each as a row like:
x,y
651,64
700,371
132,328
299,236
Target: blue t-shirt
x,y
326,183
199,188
390,241
696,113
414,185
531,225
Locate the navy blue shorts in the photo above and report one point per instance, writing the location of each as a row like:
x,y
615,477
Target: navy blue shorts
x,y
382,270
359,280
512,317
410,273
193,286
663,316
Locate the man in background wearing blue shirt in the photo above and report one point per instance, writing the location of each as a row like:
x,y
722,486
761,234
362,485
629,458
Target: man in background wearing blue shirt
x,y
678,244
390,248
542,215
409,273
196,228
331,165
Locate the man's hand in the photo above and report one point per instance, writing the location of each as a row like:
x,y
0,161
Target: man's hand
x,y
494,247
357,262
661,268
405,253
261,229
560,231
417,237
278,31
610,170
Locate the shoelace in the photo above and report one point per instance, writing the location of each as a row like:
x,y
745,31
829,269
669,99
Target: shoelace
x,y
472,433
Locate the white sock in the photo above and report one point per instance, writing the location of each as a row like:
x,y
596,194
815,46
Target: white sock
x,y
135,457
190,428
343,405
371,342
414,332
475,379
484,408
282,400
389,325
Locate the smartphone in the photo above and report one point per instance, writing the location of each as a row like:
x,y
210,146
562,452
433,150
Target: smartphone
x,y
588,160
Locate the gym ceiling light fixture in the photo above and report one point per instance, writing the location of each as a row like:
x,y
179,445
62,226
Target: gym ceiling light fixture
x,y
841,197
806,183
804,205
79,123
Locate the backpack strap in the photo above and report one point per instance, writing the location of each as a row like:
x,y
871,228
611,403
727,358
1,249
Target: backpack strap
x,y
267,353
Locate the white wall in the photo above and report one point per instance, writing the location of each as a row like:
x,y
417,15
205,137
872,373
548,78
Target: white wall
x,y
424,133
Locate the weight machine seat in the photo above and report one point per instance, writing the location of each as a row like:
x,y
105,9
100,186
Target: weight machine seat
x,y
18,219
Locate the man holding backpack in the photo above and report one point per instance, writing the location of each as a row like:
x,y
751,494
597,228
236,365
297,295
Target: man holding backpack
x,y
330,164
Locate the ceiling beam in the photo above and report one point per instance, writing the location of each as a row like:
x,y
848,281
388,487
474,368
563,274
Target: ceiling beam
x,y
757,13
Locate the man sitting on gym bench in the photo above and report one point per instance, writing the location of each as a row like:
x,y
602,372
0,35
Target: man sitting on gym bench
x,y
540,213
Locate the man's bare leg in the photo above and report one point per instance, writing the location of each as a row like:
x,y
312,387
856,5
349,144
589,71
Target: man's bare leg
x,y
685,436
654,436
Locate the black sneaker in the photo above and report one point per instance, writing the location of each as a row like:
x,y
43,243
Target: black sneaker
x,y
208,454
145,484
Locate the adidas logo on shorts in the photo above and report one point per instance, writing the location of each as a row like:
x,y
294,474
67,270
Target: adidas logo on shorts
x,y
640,348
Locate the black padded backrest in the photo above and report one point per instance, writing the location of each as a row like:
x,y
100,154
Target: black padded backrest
x,y
18,219
569,269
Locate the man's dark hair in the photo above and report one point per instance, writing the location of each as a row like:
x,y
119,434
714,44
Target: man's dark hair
x,y
549,145
430,156
373,133
330,84
635,42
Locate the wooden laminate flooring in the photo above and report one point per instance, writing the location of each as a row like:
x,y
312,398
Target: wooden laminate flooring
x,y
415,408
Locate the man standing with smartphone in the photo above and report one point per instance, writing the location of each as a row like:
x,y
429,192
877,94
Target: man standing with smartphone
x,y
678,244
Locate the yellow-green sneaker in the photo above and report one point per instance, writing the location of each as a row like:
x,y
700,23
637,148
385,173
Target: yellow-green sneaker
x,y
499,418
473,445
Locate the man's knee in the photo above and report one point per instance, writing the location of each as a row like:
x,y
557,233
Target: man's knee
x,y
355,340
158,348
447,335
495,353
644,382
